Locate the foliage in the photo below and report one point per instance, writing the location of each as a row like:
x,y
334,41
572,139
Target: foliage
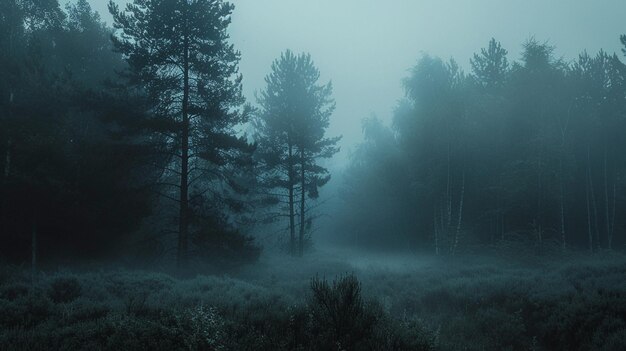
x,y
55,116
290,130
63,290
338,313
178,53
140,310
521,150
425,303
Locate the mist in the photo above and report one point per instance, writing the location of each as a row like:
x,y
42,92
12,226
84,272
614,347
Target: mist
x,y
312,175
367,47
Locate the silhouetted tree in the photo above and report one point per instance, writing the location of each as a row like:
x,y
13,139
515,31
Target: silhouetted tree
x,y
54,117
491,66
178,53
291,127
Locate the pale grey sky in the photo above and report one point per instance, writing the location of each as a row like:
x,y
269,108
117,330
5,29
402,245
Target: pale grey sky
x,y
366,46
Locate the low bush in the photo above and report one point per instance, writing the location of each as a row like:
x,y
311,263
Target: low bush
x,y
449,304
63,290
339,316
13,291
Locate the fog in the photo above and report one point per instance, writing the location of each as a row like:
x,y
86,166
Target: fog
x,y
367,47
312,175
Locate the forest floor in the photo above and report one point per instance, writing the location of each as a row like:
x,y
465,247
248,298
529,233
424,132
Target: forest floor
x,y
577,302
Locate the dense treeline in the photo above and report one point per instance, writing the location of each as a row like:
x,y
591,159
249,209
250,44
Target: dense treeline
x,y
93,141
131,147
71,168
525,151
127,140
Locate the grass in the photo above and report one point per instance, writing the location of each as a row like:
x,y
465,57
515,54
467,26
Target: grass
x,y
326,302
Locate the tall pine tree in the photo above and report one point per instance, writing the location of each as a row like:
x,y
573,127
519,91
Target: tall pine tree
x,y
291,127
178,53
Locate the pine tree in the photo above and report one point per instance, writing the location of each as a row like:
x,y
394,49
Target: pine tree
x,y
291,126
491,66
179,54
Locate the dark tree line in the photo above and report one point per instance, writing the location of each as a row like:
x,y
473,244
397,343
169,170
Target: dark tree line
x,y
529,150
70,171
127,140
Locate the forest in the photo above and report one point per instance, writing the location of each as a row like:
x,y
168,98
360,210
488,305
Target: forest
x,y
148,201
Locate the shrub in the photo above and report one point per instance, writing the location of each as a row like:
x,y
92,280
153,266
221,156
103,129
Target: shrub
x,y
135,302
26,311
64,290
14,291
201,328
338,312
341,319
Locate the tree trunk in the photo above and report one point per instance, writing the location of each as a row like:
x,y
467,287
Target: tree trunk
x,y
292,224
613,216
33,253
436,232
606,202
302,193
183,220
593,202
448,194
7,161
4,186
458,223
496,230
589,232
501,208
443,229
562,203
538,228
502,230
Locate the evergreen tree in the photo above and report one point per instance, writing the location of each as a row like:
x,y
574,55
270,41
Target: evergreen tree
x,y
524,153
291,126
491,66
178,53
55,115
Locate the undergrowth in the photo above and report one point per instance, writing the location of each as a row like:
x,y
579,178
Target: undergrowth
x,y
443,304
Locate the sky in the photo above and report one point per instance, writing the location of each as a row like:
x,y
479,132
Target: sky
x,y
366,47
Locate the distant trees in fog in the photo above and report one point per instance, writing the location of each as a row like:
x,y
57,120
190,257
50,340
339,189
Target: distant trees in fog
x,y
524,151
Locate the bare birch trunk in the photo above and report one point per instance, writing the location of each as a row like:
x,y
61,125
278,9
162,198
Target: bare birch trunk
x,y
302,197
606,201
538,228
183,220
436,232
589,232
562,203
458,224
292,224
448,194
594,207
613,215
